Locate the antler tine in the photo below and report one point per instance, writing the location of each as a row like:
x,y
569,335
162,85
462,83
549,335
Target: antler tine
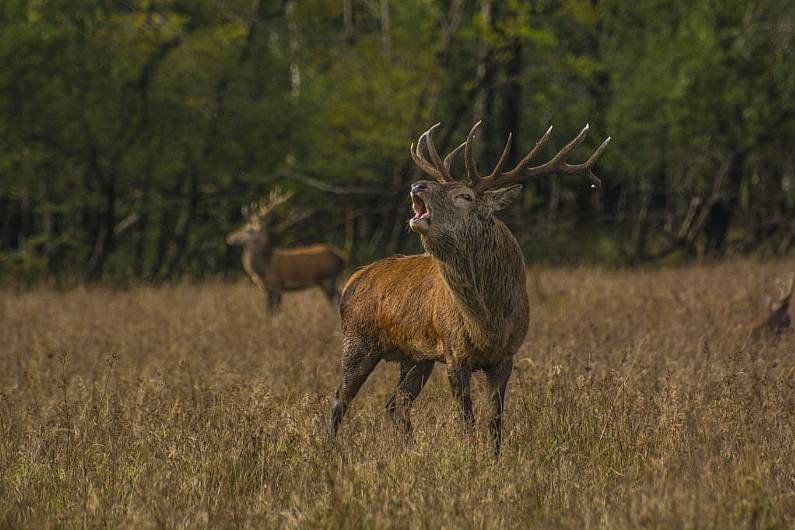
x,y
276,197
437,168
420,160
294,217
533,152
503,157
435,158
448,160
568,148
472,169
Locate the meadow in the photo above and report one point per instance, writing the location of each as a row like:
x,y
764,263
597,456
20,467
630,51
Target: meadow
x,y
637,401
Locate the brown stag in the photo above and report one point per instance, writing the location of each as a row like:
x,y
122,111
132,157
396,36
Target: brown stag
x,y
463,303
276,270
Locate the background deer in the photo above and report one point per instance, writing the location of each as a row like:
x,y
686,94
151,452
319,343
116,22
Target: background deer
x,y
775,319
463,303
276,270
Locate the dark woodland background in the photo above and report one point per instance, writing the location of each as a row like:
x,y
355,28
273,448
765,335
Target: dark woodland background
x,y
131,132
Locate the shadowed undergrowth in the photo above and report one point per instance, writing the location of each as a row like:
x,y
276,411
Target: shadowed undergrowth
x,y
635,402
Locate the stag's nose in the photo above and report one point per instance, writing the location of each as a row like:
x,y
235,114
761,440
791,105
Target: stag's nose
x,y
419,186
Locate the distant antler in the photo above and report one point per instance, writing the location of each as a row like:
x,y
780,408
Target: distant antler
x,y
557,164
437,168
264,207
293,217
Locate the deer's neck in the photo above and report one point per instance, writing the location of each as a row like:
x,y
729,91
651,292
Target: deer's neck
x,y
485,273
257,256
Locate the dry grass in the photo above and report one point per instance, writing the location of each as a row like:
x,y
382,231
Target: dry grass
x,y
633,404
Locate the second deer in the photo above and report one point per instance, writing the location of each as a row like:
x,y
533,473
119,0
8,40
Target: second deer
x,y
276,270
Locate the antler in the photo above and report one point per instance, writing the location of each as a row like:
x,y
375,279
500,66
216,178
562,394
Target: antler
x,y
557,164
294,217
263,207
437,168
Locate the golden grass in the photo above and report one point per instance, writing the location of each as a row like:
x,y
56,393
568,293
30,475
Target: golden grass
x,y
633,404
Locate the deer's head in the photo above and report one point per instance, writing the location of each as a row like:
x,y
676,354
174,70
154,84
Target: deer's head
x,y
447,211
258,216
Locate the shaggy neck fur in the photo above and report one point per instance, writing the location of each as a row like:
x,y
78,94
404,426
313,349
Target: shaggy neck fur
x,y
484,270
253,250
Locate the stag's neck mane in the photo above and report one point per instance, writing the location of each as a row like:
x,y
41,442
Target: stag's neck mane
x,y
484,272
257,255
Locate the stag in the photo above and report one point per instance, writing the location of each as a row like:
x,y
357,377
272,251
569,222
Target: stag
x,y
462,303
276,270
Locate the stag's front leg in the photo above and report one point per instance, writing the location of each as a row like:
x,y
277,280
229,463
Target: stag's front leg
x,y
358,360
460,373
413,376
497,381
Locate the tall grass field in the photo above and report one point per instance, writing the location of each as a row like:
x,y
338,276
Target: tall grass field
x,y
637,401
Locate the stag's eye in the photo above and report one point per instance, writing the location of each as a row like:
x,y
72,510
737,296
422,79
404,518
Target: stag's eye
x,y
466,197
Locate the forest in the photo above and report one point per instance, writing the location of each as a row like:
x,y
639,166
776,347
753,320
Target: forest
x,y
132,131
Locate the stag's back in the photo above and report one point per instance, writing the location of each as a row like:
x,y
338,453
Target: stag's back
x,y
395,303
299,267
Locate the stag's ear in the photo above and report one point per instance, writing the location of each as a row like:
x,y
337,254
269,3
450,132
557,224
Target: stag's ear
x,y
496,200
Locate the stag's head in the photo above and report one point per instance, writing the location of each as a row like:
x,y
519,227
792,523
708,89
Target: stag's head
x,y
257,218
447,210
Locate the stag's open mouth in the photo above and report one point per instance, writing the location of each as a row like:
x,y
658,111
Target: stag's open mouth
x,y
421,221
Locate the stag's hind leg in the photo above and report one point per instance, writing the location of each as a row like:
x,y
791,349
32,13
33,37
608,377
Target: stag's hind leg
x,y
331,291
413,376
497,382
274,301
358,361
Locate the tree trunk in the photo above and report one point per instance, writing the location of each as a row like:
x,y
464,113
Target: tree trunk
x,y
163,240
386,38
722,212
183,232
347,19
104,239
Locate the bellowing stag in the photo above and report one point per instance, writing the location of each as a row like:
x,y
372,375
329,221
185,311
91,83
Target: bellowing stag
x,y
463,303
276,270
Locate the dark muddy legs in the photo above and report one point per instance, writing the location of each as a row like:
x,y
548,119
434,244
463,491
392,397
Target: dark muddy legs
x,y
358,361
413,376
274,301
460,375
496,383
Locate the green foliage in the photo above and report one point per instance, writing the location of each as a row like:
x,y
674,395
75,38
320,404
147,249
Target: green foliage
x,y
131,132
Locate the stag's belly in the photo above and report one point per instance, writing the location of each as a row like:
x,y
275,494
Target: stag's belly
x,y
423,333
292,270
